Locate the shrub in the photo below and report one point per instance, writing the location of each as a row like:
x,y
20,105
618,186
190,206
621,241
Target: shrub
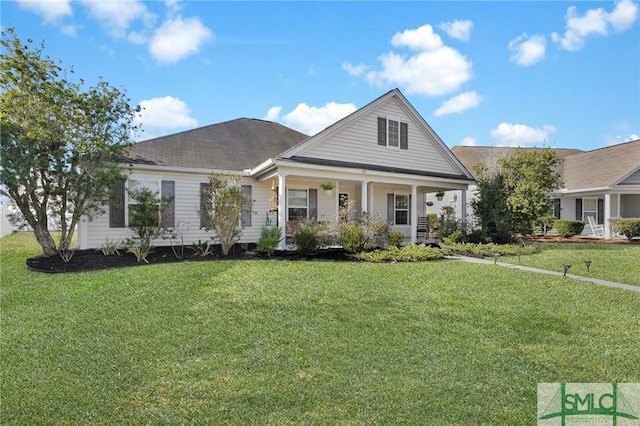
x,y
269,240
109,247
453,238
490,249
352,238
477,236
201,248
305,239
408,253
141,251
629,227
568,228
395,239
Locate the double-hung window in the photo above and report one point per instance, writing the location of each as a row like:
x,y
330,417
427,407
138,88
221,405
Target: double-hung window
x,y
393,133
401,210
298,204
133,208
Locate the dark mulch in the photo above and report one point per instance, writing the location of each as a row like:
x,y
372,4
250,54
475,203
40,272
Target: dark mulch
x,y
93,260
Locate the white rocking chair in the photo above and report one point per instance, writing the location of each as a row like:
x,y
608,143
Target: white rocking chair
x,y
596,230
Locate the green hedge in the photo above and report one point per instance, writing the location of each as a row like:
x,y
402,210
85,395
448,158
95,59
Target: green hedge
x,y
568,228
629,227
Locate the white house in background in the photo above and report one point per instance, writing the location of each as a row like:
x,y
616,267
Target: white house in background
x,y
384,156
603,183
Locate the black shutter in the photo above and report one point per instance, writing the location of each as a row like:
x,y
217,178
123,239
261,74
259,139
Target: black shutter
x,y
116,205
409,211
168,193
245,216
205,204
600,211
391,209
382,131
556,208
313,204
404,137
578,208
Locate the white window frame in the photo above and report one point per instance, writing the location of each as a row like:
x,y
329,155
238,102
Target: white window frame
x,y
396,209
146,179
585,211
297,206
395,132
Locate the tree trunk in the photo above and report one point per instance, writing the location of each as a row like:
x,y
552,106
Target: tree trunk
x,y
45,240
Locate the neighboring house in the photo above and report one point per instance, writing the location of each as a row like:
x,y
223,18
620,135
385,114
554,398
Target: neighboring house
x,y
384,156
603,183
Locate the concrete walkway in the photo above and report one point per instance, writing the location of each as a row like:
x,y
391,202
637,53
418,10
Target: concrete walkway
x,y
544,271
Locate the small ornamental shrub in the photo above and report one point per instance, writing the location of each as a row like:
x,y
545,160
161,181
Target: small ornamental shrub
x,y
141,251
408,253
201,248
352,238
568,228
395,239
305,239
454,238
110,247
629,227
269,240
477,236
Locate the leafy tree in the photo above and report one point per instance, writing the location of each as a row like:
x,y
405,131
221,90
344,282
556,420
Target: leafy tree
x,y
513,197
227,199
147,215
59,142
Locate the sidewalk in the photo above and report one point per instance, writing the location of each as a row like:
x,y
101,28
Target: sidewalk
x,y
544,271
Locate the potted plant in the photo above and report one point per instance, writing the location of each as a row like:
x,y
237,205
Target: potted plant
x,y
327,187
440,195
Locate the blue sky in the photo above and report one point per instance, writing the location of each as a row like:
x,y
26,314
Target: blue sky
x,y
561,74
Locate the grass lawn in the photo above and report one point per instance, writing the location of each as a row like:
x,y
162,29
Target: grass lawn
x,y
278,342
612,262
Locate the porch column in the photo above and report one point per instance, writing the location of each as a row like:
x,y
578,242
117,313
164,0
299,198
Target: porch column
x,y
282,211
364,196
414,213
463,206
607,216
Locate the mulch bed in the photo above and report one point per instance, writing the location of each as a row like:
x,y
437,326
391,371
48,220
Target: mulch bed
x,y
93,260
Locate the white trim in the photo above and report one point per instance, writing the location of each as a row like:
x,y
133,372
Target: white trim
x,y
176,169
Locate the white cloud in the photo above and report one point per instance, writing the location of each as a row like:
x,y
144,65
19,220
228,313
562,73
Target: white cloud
x,y
355,70
165,113
527,50
459,103
432,70
273,114
622,139
117,16
595,22
507,134
309,119
420,39
469,141
50,11
460,30
178,38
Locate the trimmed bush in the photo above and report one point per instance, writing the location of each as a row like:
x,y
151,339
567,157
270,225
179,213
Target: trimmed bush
x,y
395,239
408,253
628,226
305,239
568,228
352,238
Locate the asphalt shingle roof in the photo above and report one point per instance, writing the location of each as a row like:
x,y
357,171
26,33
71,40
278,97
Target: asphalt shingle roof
x,y
232,145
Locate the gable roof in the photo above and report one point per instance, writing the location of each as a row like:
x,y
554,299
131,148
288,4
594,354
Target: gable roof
x,y
299,152
472,155
602,167
232,145
581,170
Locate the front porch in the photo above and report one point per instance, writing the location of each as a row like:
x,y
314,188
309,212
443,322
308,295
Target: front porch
x,y
400,200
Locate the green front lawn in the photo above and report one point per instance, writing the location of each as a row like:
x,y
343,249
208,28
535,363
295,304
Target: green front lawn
x,y
276,342
612,262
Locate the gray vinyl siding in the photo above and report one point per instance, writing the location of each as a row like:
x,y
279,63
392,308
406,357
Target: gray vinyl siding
x,y
634,179
358,142
187,202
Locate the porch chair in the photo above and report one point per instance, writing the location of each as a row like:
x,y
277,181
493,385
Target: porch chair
x,y
596,230
423,227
